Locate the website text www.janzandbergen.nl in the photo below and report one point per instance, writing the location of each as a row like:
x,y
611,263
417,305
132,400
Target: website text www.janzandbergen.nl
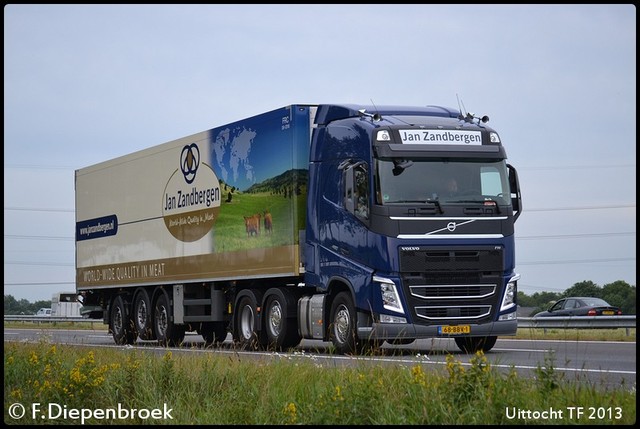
x,y
100,227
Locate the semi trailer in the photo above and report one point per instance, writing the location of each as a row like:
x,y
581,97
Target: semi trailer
x,y
346,223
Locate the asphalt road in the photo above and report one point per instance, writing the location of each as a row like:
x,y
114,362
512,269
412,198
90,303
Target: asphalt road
x,y
609,364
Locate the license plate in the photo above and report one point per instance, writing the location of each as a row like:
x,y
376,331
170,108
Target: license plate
x,y
608,312
454,330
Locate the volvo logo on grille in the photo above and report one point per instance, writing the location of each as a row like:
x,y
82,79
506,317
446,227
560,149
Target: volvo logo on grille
x,y
410,248
451,226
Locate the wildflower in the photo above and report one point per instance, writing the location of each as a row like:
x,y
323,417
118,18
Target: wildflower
x,y
291,411
338,396
418,375
17,394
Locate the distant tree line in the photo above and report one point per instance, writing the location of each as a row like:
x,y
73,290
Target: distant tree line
x,y
618,293
13,306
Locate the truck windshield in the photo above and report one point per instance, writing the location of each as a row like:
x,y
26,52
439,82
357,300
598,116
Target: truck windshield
x,y
445,181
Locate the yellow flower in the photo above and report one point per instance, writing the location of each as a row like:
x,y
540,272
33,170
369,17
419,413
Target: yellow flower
x,y
418,375
291,411
338,396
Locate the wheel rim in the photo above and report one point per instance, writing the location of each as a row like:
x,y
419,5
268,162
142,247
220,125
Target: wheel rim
x,y
275,319
142,314
246,322
118,320
162,321
341,324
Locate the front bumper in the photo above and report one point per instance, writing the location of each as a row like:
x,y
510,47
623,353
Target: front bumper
x,y
392,331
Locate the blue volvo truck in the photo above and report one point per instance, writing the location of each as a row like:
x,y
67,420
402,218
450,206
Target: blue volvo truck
x,y
352,224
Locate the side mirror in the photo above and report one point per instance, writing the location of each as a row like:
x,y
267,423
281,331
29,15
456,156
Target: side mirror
x,y
516,197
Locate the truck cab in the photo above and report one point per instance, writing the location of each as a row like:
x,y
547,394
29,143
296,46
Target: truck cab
x,y
44,312
418,236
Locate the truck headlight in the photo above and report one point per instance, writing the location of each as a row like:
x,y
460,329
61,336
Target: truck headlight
x,y
510,293
390,296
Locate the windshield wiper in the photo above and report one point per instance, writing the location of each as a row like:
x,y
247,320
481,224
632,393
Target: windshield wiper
x,y
483,202
436,203
429,201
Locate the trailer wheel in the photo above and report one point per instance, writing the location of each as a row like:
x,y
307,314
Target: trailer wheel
x,y
245,326
213,332
120,324
142,315
167,333
281,328
472,345
342,331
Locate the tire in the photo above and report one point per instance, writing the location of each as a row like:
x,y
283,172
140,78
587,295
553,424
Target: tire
x,y
472,345
120,323
142,315
279,325
166,332
342,328
213,333
246,322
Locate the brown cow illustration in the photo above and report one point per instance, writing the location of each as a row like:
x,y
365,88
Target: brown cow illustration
x,y
252,224
268,222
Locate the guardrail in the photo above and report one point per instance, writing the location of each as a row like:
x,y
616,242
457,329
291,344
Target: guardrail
x,y
578,322
570,322
49,319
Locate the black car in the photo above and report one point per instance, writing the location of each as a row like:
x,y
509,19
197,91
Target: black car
x,y
581,306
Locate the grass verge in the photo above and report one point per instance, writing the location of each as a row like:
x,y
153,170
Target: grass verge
x,y
77,386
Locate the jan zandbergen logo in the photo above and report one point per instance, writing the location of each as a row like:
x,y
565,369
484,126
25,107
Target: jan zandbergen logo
x,y
53,411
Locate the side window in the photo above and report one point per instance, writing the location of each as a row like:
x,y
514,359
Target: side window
x,y
356,190
362,192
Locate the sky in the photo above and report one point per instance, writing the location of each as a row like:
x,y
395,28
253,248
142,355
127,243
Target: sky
x,y
87,83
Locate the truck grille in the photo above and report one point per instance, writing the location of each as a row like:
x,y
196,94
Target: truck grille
x,y
460,312
454,285
452,291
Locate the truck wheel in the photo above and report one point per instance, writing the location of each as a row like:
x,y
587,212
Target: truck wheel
x,y
213,332
280,327
342,331
245,332
475,344
121,325
167,333
142,315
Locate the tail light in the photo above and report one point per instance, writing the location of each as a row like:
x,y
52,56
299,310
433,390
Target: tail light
x,y
619,312
592,312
